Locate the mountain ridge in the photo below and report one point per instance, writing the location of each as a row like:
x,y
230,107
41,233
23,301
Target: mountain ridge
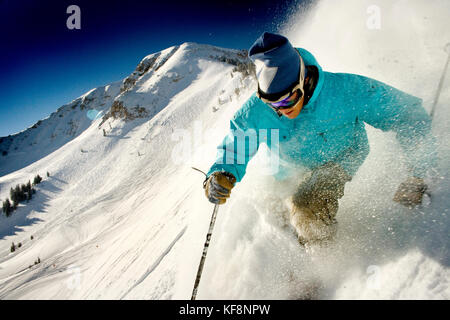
x,y
117,100
109,191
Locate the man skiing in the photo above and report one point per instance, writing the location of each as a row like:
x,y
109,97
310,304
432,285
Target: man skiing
x,y
320,117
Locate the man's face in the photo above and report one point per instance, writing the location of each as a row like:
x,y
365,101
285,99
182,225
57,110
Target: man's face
x,y
294,111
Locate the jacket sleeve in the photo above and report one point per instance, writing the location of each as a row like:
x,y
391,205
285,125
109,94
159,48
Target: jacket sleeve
x,y
239,146
390,109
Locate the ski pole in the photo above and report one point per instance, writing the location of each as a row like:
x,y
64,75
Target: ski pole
x,y
205,251
441,82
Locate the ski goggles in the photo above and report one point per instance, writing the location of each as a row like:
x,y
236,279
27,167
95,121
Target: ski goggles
x,y
291,100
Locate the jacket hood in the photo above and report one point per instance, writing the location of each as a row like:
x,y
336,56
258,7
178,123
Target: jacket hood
x,y
310,60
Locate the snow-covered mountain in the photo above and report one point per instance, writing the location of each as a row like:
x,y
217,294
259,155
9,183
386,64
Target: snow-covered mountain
x,y
123,152
123,215
46,136
137,96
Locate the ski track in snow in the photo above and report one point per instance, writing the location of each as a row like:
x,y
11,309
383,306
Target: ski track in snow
x,y
156,263
123,216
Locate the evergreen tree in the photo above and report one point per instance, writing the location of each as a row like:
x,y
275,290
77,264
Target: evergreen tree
x,y
12,194
7,207
37,180
29,192
23,192
20,196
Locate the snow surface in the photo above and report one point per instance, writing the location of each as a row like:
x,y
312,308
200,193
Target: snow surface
x,y
123,216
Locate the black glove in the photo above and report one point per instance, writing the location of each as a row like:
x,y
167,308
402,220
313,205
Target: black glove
x,y
410,192
218,186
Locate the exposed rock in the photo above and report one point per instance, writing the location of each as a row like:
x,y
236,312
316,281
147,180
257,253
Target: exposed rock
x,y
153,63
143,67
119,111
167,57
243,64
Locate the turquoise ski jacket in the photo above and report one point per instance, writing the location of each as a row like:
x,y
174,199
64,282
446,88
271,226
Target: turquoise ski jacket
x,y
329,128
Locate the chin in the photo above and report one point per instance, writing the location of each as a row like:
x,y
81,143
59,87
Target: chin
x,y
292,115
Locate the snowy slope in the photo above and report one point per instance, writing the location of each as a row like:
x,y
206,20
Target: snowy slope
x,y
113,191
49,134
123,216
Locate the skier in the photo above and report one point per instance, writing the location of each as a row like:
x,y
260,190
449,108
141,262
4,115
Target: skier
x,y
320,119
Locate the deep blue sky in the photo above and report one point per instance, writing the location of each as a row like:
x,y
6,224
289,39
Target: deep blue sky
x,y
44,65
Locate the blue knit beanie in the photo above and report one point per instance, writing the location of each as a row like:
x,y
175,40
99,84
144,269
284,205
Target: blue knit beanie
x,y
277,63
